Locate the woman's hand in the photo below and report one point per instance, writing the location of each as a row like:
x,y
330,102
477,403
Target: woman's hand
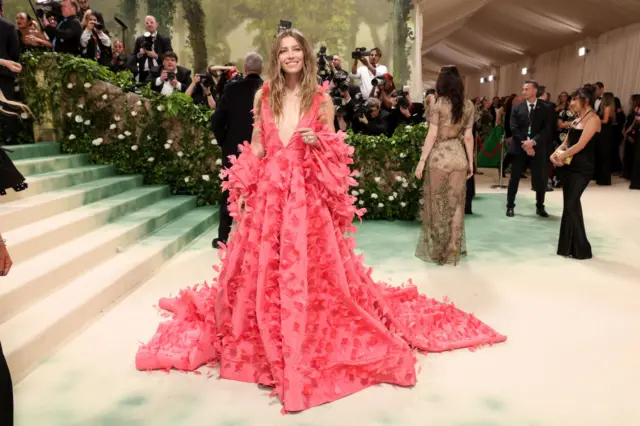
x,y
308,136
5,261
420,169
470,172
555,160
13,66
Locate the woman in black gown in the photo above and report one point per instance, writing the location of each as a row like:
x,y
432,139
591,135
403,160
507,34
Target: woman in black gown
x,y
576,156
10,177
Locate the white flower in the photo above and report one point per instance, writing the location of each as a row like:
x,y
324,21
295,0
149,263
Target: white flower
x,y
81,106
361,202
139,103
87,85
72,137
405,185
361,191
127,133
24,115
221,175
148,137
377,179
403,154
113,126
395,194
218,162
87,122
214,141
407,127
133,113
97,142
121,136
70,86
134,147
354,193
116,118
69,114
160,108
167,146
187,179
380,205
391,198
206,178
169,141
79,119
374,196
421,201
398,178
150,159
105,97
403,204
180,154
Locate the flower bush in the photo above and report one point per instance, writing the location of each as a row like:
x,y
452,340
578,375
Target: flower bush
x,y
168,139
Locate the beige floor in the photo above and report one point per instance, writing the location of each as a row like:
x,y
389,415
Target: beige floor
x,y
572,358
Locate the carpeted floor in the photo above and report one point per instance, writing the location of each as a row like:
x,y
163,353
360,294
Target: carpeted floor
x,y
571,358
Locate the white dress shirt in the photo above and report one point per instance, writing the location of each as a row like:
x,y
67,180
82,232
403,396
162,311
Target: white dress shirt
x,y
365,76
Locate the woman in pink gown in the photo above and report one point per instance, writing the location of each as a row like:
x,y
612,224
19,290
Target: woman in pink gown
x,y
294,308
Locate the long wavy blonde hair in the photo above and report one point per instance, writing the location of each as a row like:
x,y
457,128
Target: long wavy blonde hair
x,y
17,105
309,82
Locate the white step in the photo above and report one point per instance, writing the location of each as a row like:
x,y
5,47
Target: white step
x,y
30,240
39,276
32,335
53,163
29,210
40,184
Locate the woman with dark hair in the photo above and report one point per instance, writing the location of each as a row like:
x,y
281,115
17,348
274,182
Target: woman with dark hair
x,y
629,135
603,142
576,156
450,164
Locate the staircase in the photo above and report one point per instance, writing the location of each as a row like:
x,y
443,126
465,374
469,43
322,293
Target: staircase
x,y
80,238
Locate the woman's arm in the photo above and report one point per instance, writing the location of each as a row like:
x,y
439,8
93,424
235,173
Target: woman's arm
x,y
606,117
256,137
591,127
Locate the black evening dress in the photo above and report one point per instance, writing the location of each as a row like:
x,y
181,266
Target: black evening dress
x,y
573,240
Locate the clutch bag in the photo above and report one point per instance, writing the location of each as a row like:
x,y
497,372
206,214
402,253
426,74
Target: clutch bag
x,y
567,160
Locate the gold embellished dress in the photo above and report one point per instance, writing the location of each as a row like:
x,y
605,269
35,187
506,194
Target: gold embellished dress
x,y
442,238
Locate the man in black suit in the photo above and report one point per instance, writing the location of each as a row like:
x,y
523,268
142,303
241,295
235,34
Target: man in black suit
x,y
170,76
232,124
150,52
9,50
65,35
530,129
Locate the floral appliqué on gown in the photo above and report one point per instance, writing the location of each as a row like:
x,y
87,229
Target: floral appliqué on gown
x,y
293,307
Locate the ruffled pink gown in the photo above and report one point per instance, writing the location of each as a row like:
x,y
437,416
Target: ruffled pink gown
x,y
293,307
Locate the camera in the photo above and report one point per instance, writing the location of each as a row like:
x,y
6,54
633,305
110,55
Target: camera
x,y
378,81
401,98
98,26
340,79
206,80
360,52
171,76
359,106
147,43
49,8
323,62
284,25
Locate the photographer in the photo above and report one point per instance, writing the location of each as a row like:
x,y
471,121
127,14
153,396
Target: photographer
x,y
170,77
121,60
369,70
343,103
404,112
66,34
373,122
149,48
200,90
95,44
227,74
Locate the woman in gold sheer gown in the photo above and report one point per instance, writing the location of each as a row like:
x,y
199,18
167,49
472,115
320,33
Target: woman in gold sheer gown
x,y
448,156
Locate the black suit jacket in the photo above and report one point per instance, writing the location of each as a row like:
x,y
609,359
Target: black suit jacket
x,y
161,45
183,75
9,46
541,121
66,36
232,121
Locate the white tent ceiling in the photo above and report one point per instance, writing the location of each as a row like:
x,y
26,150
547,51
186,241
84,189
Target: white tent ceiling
x,y
478,34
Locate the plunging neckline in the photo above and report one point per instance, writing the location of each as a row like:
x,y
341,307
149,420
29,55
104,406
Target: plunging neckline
x,y
275,122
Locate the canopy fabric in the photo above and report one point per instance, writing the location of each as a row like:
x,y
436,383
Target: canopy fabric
x,y
476,35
